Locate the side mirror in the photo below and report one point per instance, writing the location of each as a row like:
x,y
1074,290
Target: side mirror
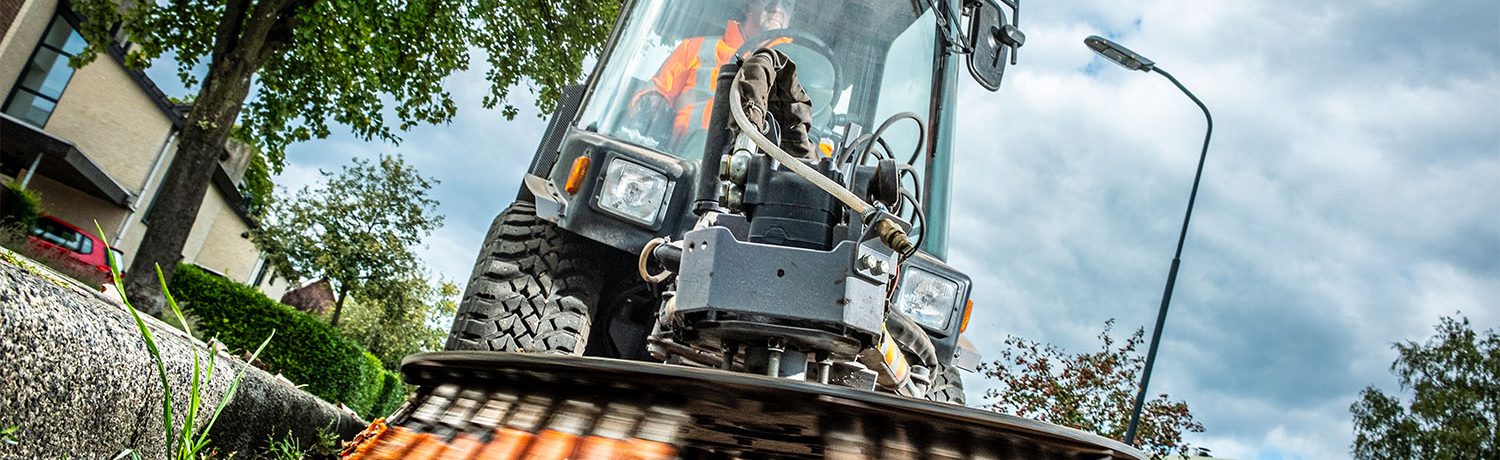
x,y
992,41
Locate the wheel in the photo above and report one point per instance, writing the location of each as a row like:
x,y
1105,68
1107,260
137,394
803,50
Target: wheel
x,y
534,289
947,386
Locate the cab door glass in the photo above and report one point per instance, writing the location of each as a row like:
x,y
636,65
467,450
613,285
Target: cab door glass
x,y
905,88
656,84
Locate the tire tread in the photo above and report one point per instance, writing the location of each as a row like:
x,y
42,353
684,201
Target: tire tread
x,y
532,290
947,386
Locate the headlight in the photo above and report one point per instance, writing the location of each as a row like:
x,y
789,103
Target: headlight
x,y
927,298
633,191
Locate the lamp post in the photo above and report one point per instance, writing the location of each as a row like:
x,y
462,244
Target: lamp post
x,y
1130,60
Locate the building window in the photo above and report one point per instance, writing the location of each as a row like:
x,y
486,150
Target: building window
x,y
46,76
261,272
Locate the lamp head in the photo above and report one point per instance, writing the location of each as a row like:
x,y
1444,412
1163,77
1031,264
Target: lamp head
x,y
1119,54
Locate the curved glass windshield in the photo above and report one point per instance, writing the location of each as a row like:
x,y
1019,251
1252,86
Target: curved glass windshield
x,y
860,61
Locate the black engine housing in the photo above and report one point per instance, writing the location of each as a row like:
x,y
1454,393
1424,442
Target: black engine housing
x,y
787,210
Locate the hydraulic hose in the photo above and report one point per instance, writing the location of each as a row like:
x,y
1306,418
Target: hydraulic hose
x,y
796,165
909,335
705,193
890,234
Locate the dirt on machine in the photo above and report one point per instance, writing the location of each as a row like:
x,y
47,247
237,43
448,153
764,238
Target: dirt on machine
x,y
731,243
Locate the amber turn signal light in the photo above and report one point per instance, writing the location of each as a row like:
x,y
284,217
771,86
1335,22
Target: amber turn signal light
x,y
968,308
576,175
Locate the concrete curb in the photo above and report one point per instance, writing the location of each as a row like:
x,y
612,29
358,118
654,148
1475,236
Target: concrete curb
x,y
77,380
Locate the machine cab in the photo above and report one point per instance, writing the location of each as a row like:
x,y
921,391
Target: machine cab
x,y
622,155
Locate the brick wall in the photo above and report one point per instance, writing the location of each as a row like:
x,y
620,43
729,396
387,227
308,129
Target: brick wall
x,y
8,10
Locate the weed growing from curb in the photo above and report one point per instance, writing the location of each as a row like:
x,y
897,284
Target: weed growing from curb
x,y
187,442
285,449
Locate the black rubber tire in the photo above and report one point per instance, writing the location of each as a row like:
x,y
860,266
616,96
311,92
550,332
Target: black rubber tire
x,y
533,289
947,386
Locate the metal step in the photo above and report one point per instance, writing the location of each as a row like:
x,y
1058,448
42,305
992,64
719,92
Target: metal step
x,y
473,405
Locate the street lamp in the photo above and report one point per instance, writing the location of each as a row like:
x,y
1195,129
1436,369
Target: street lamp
x,y
1130,60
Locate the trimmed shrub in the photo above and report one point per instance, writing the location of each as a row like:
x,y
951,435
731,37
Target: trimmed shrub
x,y
392,394
372,378
305,350
19,208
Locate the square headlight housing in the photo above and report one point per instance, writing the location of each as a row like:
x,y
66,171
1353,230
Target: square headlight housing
x,y
932,293
633,191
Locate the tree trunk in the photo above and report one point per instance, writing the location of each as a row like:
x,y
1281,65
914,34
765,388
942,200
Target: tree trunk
x,y
338,307
171,219
240,46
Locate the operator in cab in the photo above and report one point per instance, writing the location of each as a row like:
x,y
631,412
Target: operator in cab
x,y
684,87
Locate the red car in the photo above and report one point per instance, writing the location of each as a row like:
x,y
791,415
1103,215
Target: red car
x,y
71,250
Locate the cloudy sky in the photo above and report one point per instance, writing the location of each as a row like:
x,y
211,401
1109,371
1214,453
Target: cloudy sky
x,y
1351,195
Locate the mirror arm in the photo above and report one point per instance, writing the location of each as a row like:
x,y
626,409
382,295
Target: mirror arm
x,y
951,25
1015,11
1015,26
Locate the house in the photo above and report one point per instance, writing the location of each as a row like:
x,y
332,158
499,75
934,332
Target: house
x,y
95,143
315,297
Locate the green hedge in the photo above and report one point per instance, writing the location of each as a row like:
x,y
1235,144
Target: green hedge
x,y
19,208
306,350
392,394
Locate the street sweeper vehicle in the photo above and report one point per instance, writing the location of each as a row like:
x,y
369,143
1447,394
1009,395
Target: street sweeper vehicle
x,y
730,244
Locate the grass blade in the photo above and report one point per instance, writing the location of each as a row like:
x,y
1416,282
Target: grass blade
x,y
184,448
234,386
186,433
161,367
172,302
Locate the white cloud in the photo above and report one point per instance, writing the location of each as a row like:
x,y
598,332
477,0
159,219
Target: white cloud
x,y
1349,198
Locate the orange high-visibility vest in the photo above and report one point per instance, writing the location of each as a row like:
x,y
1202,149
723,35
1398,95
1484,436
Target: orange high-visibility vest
x,y
688,77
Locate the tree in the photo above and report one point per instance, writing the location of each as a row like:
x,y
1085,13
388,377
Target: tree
x,y
1091,391
257,187
395,318
1455,402
356,228
316,61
